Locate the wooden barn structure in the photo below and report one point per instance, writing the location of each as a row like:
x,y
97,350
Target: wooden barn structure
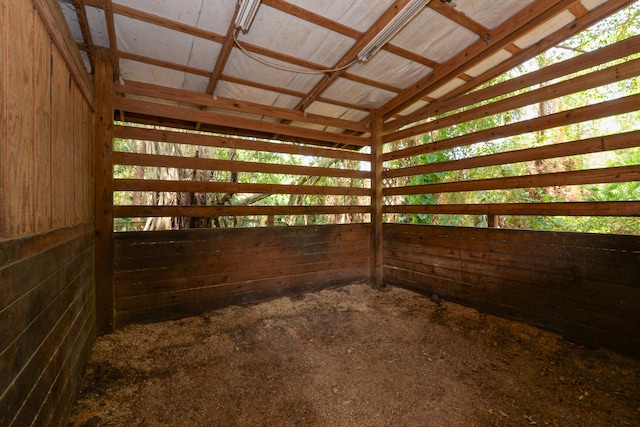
x,y
316,79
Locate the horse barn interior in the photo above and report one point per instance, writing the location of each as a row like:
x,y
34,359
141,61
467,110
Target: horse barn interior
x,y
356,90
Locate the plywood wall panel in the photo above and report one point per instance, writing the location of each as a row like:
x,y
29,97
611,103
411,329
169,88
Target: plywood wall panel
x,y
58,140
18,163
41,319
79,175
42,113
582,285
87,162
3,118
47,256
160,275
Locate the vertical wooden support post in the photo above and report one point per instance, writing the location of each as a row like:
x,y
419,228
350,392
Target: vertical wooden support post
x,y
492,221
377,203
103,170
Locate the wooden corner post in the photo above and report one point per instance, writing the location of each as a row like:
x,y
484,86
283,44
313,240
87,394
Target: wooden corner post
x,y
103,171
377,204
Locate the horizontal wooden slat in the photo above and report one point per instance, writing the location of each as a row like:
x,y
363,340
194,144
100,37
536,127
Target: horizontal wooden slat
x,y
206,211
136,159
14,250
234,143
564,118
200,99
588,240
631,208
578,63
498,38
592,176
231,187
577,323
571,148
192,114
595,79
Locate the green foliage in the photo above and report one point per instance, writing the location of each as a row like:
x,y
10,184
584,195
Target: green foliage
x,y
618,27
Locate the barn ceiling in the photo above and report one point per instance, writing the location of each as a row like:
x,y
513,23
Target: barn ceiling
x,y
302,56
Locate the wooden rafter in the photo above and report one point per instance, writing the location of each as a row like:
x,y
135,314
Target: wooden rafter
x,y
235,143
307,15
223,56
339,28
521,23
566,209
227,45
199,99
519,57
446,9
182,113
86,33
621,72
351,54
113,45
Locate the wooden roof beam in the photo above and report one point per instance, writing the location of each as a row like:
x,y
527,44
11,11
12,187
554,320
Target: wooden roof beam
x,y
530,17
166,23
86,33
448,101
217,119
231,79
223,57
111,31
351,54
199,99
339,28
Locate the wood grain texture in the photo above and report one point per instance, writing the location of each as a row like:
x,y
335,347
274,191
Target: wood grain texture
x,y
103,190
47,301
206,211
580,177
559,69
52,18
603,77
235,143
183,113
122,158
630,208
19,196
580,285
4,46
572,148
171,274
42,75
47,316
232,187
58,140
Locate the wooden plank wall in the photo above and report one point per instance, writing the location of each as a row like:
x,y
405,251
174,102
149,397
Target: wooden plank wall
x,y
584,286
47,304
169,274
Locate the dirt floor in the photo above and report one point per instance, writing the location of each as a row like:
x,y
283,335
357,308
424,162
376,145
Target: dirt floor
x,y
353,357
